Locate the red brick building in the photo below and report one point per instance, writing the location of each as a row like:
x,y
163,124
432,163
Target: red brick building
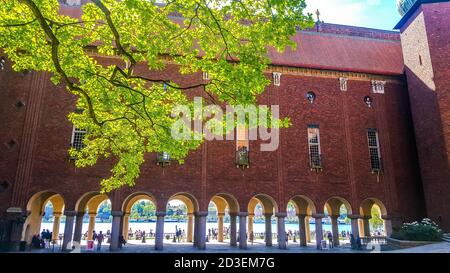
x,y
381,105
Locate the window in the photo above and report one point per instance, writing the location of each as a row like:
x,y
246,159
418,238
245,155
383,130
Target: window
x,y
242,146
368,101
311,96
276,78
314,147
205,76
378,87
77,138
374,149
343,83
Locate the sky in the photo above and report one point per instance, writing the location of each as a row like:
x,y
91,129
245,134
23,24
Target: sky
x,y
381,14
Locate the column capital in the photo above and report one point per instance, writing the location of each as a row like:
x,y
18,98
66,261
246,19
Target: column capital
x,y
70,213
354,216
201,213
251,214
243,214
57,214
190,214
281,214
92,214
80,214
126,214
116,213
221,214
268,214
366,217
386,217
334,216
302,215
318,215
233,214
160,214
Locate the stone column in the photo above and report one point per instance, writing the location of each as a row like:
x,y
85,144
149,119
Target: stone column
x,y
387,225
233,239
56,223
91,227
159,238
319,230
355,226
366,225
115,230
268,222
16,219
201,215
78,227
281,229
308,229
190,227
361,227
250,225
302,229
126,225
196,227
68,229
220,226
335,229
243,230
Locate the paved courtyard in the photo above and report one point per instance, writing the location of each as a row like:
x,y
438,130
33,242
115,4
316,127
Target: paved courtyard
x,y
257,247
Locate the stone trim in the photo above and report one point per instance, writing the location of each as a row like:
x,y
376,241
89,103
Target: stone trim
x,y
281,214
201,213
70,213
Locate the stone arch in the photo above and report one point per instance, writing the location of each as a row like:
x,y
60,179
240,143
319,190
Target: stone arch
x,y
367,204
133,198
128,204
334,204
223,200
91,201
35,210
267,202
188,199
365,211
303,205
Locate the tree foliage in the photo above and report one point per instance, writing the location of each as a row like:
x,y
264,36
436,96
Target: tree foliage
x,y
126,112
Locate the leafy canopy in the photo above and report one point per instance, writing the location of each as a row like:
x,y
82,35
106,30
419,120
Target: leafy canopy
x,y
126,112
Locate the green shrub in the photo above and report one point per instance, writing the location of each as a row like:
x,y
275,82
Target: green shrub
x,y
426,230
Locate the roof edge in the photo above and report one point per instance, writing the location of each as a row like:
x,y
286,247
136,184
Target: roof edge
x,y
413,9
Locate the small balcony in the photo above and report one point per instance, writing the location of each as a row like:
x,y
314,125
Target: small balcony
x,y
315,163
377,167
242,158
163,159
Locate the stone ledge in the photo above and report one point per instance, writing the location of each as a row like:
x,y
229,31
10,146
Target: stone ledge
x,y
401,244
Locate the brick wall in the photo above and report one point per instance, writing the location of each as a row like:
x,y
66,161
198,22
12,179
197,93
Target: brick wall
x,y
343,118
428,86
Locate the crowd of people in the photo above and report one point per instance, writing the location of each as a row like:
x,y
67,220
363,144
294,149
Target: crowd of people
x,y
42,240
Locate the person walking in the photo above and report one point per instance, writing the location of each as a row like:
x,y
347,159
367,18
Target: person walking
x,y
251,237
330,239
100,238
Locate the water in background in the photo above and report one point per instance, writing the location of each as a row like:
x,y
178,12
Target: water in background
x,y
169,227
